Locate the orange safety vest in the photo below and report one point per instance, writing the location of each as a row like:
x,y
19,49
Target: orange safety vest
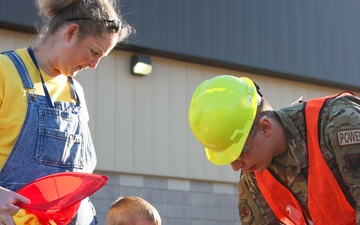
x,y
326,201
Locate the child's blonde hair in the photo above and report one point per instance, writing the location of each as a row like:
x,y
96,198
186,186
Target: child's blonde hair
x,y
130,209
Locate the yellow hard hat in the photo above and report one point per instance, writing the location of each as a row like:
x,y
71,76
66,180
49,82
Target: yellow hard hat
x,y
221,113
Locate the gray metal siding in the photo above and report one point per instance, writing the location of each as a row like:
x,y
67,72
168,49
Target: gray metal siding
x,y
18,14
313,41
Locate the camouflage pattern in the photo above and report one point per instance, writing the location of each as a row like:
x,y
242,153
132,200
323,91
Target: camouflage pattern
x,y
340,145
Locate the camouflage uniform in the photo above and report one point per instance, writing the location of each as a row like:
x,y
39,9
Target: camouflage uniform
x,y
340,119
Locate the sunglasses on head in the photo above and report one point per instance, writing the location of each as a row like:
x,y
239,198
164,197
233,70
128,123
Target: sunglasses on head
x,y
113,25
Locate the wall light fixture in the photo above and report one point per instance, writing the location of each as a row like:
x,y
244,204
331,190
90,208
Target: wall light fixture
x,y
141,65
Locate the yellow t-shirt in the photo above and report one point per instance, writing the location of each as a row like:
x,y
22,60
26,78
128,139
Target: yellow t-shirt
x,y
13,100
23,218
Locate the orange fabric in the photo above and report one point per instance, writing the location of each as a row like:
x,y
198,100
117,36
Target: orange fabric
x,y
324,208
281,201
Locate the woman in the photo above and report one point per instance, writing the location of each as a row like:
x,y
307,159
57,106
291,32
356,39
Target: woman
x,y
43,114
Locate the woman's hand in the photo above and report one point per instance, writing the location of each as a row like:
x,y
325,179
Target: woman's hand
x,y
8,207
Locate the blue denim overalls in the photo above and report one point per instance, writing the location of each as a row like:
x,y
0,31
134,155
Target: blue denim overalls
x,y
54,138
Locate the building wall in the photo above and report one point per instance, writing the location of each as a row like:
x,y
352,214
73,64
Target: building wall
x,y
314,41
305,40
179,201
140,129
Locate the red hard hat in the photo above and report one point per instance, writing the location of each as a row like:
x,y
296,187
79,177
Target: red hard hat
x,y
57,196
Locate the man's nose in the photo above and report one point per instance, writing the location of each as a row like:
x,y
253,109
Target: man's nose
x,y
237,165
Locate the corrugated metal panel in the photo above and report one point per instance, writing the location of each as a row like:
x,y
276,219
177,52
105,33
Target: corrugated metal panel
x,y
18,14
313,41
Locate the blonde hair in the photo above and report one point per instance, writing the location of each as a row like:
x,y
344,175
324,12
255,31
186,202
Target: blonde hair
x,y
130,209
55,12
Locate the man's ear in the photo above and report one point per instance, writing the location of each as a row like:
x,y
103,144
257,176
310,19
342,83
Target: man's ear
x,y
265,126
71,32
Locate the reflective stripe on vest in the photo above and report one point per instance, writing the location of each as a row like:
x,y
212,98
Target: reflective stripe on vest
x,y
326,201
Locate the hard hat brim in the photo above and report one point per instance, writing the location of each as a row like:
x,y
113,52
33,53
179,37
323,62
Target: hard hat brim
x,y
226,156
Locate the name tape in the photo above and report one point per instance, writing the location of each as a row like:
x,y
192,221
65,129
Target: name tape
x,y
348,137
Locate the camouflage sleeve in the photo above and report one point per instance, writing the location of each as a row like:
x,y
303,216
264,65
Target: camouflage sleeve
x,y
253,208
343,133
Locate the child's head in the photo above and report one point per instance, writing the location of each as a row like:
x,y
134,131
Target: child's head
x,y
132,210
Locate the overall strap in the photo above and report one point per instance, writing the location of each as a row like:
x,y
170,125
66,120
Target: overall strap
x,y
74,93
20,66
47,95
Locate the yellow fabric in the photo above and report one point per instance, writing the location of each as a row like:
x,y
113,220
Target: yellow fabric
x,y
22,218
13,102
